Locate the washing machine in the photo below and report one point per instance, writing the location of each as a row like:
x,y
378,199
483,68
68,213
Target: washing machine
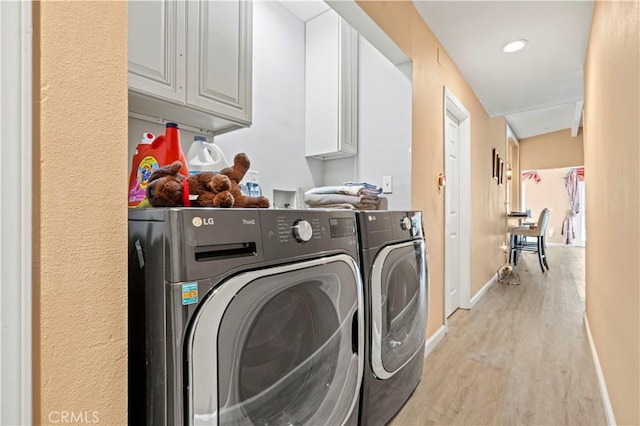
x,y
393,260
244,317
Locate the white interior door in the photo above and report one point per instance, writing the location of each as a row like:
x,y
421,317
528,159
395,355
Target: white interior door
x,y
452,214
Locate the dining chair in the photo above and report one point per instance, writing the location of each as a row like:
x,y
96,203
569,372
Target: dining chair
x,y
520,236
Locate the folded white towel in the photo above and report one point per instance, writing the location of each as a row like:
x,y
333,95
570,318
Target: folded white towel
x,y
339,189
367,202
367,185
343,206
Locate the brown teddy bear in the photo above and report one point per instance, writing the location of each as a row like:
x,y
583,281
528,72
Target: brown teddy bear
x,y
235,173
168,188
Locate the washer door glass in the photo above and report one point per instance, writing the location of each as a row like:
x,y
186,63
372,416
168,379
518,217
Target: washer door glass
x,y
399,306
279,346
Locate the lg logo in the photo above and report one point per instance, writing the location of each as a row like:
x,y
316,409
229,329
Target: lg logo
x,y
199,221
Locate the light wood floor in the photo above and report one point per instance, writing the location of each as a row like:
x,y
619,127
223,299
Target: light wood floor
x,y
520,357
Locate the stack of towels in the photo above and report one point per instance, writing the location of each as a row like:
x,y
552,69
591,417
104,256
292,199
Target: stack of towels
x,y
350,195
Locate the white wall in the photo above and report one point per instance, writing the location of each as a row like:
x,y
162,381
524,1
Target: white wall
x,y
384,129
275,140
384,125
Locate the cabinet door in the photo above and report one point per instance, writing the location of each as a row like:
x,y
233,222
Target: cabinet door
x,y
219,39
331,84
322,85
157,48
348,134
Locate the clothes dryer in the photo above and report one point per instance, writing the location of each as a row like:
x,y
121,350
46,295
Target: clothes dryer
x,y
244,316
394,266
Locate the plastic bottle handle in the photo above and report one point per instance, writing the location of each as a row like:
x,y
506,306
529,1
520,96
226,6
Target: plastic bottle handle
x,y
215,152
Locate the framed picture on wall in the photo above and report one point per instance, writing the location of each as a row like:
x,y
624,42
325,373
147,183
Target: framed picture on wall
x,y
501,172
494,164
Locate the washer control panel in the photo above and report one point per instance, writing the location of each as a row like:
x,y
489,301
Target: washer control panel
x,y
302,230
342,227
298,230
287,232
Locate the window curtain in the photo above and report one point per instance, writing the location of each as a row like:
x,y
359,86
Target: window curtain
x,y
571,184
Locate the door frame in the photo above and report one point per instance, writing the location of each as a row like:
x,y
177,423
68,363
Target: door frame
x,y
457,109
15,212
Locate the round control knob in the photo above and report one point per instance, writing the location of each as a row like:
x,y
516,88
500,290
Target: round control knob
x,y
405,223
302,230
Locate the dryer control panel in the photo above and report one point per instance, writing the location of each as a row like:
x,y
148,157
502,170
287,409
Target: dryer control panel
x,y
406,225
382,227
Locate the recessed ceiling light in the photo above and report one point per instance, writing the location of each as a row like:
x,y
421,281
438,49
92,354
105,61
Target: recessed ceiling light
x,y
514,46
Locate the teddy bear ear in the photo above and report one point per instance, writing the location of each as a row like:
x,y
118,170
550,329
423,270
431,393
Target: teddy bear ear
x,y
168,170
240,167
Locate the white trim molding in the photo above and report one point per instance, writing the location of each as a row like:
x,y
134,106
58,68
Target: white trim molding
x,y
433,341
577,118
458,110
15,212
367,27
475,299
606,402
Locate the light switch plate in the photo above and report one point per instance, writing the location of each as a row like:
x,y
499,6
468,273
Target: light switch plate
x,y
387,184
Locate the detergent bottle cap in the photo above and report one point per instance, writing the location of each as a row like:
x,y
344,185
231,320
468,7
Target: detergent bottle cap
x,y
172,125
200,138
147,138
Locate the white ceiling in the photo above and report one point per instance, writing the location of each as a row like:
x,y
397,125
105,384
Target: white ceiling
x,y
536,88
306,9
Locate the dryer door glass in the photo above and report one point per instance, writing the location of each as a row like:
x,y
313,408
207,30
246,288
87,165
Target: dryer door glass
x,y
399,299
284,351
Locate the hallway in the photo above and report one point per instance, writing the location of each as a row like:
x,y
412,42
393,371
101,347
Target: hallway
x,y
520,356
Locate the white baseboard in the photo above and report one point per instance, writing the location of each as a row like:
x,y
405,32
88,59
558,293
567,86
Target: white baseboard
x,y
606,402
433,341
483,290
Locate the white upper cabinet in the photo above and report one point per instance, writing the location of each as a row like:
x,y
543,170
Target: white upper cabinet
x,y
219,65
331,85
190,62
156,48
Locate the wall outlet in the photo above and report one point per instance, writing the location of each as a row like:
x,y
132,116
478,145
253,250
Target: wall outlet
x,y
252,176
387,184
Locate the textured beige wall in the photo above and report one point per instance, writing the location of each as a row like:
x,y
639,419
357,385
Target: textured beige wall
x,y
552,150
80,191
611,139
401,21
